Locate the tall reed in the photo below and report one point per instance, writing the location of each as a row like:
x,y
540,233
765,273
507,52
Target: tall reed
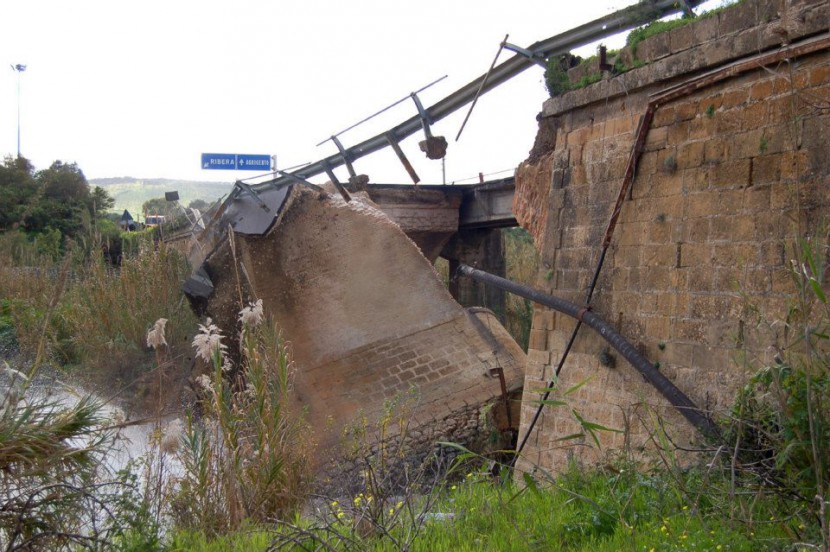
x,y
108,310
247,458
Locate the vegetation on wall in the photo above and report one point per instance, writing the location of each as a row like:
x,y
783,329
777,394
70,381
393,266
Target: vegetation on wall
x,y
557,80
654,28
556,74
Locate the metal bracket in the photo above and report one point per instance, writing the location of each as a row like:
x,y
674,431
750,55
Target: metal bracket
x,y
532,56
603,59
390,137
345,155
434,146
330,172
241,189
426,120
498,372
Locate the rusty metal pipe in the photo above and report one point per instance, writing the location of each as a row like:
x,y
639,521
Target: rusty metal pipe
x,y
675,396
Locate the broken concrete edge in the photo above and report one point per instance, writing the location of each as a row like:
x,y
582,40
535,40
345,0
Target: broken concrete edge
x,y
709,50
245,215
231,213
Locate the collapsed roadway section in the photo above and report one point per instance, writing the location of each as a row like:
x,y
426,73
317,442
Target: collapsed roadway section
x,y
367,316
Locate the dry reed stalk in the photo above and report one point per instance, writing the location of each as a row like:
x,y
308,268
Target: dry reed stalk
x,y
47,317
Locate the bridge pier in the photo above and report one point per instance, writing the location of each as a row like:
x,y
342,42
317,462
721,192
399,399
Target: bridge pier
x,y
479,247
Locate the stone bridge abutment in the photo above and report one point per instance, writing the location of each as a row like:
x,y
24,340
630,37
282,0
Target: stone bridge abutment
x,y
721,130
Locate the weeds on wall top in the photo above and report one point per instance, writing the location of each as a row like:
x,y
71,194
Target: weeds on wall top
x,y
556,74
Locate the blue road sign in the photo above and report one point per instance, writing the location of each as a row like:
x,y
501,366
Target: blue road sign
x,y
249,162
236,162
220,161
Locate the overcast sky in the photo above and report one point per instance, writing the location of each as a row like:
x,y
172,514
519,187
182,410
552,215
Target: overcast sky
x,y
143,88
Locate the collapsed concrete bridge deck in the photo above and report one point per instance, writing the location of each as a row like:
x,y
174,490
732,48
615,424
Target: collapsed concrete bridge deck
x,y
366,313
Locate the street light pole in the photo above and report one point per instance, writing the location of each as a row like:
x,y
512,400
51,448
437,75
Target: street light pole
x,y
19,68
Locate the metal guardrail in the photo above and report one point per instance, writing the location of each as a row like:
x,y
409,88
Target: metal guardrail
x,y
638,14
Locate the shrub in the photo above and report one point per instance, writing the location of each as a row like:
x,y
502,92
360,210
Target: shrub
x,y
107,312
781,420
57,492
556,75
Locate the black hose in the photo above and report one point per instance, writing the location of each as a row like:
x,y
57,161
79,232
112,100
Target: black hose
x,y
675,396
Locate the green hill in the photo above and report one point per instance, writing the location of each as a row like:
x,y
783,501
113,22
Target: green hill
x,y
131,193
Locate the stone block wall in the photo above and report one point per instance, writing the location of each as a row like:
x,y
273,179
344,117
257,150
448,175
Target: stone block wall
x,y
730,174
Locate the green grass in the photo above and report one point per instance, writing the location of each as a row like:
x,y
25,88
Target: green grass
x,y
600,511
584,511
242,541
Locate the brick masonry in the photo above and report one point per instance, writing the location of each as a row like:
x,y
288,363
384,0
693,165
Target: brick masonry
x,y
729,177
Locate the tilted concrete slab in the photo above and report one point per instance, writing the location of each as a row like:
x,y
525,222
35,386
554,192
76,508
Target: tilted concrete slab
x,y
366,313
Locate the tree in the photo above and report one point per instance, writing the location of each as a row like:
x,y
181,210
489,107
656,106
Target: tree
x,y
52,204
199,204
64,182
101,202
160,206
63,203
17,189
